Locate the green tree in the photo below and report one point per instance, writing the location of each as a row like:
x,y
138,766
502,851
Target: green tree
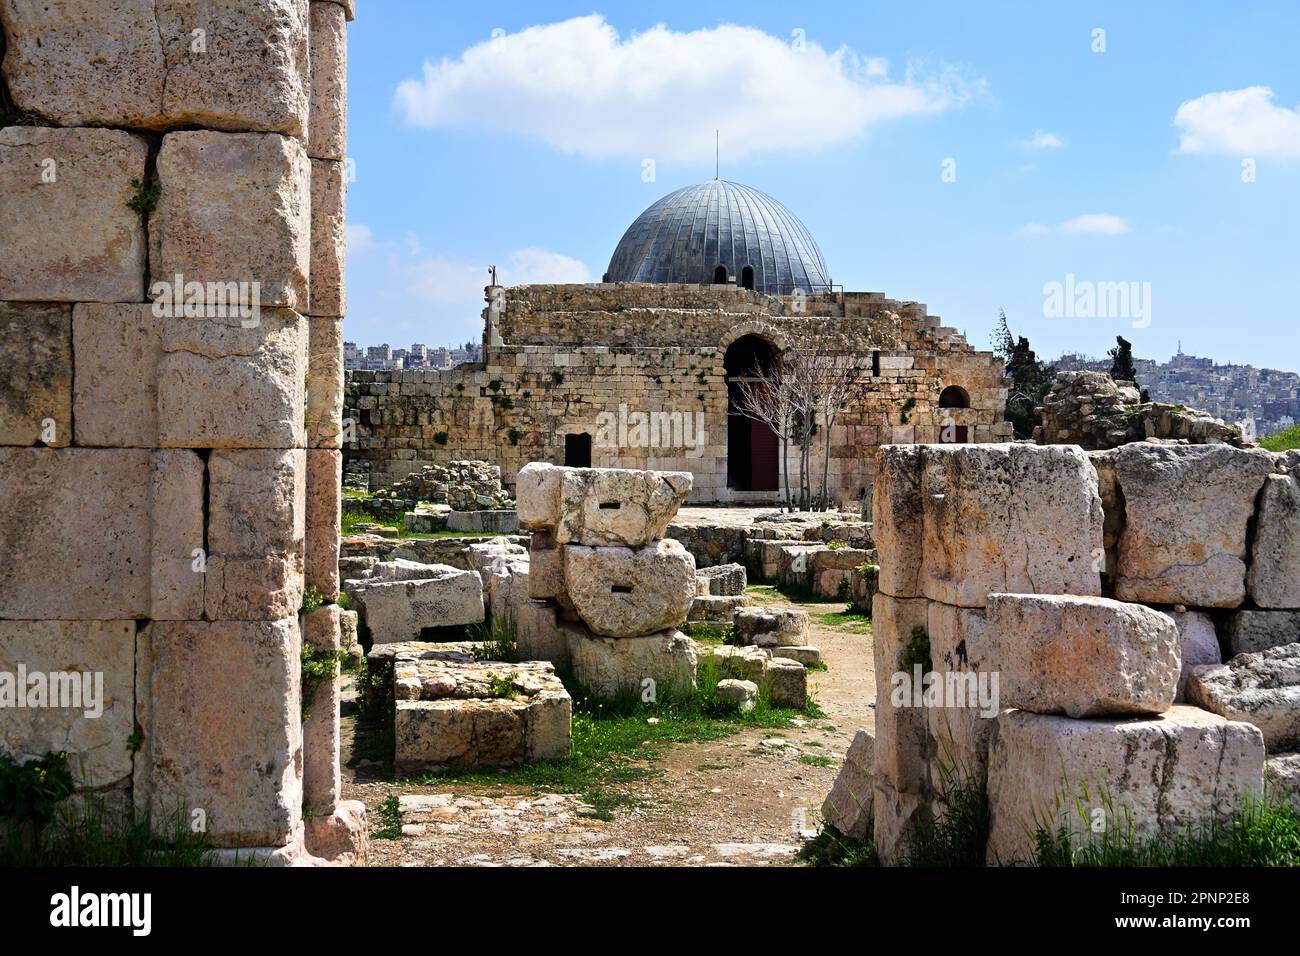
x,y
1028,378
1121,361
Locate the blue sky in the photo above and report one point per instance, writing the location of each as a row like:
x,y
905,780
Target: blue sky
x,y
524,143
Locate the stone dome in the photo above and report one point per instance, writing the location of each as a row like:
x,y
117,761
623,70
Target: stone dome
x,y
694,234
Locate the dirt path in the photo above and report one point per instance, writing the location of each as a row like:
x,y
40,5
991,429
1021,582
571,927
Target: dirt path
x,y
739,800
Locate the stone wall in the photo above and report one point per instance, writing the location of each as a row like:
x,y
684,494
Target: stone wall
x,y
558,357
171,382
1101,590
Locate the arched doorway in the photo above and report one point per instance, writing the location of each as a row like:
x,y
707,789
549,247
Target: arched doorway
x,y
719,275
747,277
753,449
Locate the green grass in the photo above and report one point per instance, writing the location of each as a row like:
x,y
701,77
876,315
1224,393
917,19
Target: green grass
x,y
349,523
96,835
1284,440
389,824
1260,833
817,760
844,620
495,641
358,494
614,745
709,632
832,848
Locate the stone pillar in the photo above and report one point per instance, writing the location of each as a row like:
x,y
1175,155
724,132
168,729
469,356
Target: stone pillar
x,y
172,228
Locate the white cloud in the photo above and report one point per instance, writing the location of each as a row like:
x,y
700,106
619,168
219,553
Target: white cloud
x,y
409,272
1042,139
579,87
1094,223
1239,123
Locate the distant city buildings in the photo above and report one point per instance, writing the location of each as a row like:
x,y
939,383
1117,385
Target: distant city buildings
x,y
1233,393
385,357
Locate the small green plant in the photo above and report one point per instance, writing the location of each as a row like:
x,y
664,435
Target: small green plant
x,y
345,600
502,686
832,848
460,386
318,668
505,402
495,385
557,377
311,599
31,791
440,438
707,632
495,641
843,589
959,835
135,741
917,652
514,434
817,760
837,545
390,821
144,198
867,570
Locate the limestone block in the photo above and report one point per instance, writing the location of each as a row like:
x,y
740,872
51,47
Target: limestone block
x,y
902,738
84,62
343,837
1164,774
961,724
251,74
1282,778
324,382
771,626
233,208
1186,512
116,392
256,530
896,814
716,608
848,807
537,495
257,372
138,63
805,654
65,226
177,579
1024,519
897,518
1082,656
85,674
609,667
321,776
35,374
398,610
1274,575
453,714
727,580
1198,644
328,247
78,517
618,507
546,566
348,640
621,592
328,126
786,681
745,663
1262,688
538,635
217,703
323,508
1250,630
741,694
404,569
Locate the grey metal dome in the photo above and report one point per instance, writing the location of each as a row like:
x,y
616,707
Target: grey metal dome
x,y
692,234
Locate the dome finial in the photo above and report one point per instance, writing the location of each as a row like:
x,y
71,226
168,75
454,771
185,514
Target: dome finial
x,y
717,154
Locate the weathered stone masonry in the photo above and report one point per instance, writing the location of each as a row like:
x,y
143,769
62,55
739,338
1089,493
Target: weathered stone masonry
x,y
556,357
169,481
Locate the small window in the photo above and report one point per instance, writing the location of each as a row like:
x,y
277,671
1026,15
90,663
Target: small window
x,y
875,364
954,396
747,277
719,275
577,450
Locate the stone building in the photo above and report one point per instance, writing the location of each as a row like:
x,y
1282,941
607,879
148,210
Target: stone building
x,y
708,285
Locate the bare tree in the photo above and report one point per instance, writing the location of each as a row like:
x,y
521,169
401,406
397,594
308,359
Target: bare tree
x,y
837,383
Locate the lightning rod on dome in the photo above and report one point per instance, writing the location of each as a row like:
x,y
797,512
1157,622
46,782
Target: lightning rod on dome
x,y
717,154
